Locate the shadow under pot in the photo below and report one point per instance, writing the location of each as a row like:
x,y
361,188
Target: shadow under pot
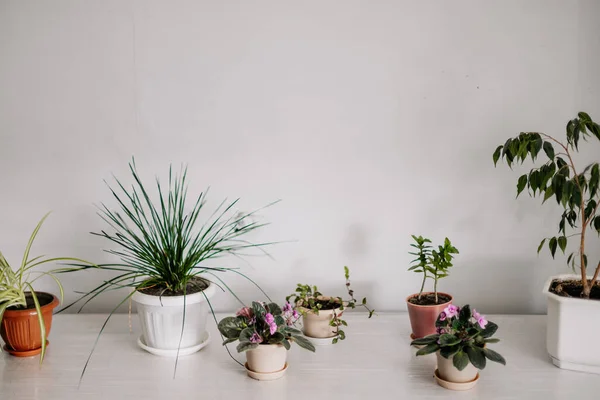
x,y
162,319
423,312
20,328
317,325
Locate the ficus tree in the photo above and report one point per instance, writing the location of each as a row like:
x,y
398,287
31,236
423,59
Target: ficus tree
x,y
574,188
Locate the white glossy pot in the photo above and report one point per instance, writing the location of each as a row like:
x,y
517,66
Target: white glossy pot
x,y
573,326
267,358
161,319
448,372
317,325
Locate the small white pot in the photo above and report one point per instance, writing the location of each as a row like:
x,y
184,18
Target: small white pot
x,y
448,372
161,319
266,358
572,329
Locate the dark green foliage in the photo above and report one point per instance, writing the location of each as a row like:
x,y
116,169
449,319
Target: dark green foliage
x,y
462,338
575,190
433,264
307,298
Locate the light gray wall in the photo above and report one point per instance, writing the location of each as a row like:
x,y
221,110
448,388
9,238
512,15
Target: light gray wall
x,y
372,120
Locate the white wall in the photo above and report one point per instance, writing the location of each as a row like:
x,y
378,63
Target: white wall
x,y
371,120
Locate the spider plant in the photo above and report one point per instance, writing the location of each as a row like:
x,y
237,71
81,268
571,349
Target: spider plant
x,y
165,247
16,284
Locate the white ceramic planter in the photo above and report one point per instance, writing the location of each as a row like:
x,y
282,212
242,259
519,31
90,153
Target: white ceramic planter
x,y
161,319
448,372
573,326
266,358
317,325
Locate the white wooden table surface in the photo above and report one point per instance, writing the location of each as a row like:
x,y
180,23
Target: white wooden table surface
x,y
375,360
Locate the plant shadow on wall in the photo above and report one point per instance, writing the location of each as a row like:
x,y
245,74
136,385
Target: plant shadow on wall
x,y
164,251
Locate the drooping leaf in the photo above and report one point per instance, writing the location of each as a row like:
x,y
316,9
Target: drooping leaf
x,y
476,356
430,348
496,155
464,314
562,243
521,184
245,346
493,356
552,245
425,340
549,150
304,342
274,309
449,351
460,360
541,246
230,327
448,339
489,330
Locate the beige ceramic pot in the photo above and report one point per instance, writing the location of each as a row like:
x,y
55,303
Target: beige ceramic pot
x,y
422,318
266,358
448,372
317,325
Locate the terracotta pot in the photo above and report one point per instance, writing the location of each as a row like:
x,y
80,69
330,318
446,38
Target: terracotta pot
x,y
266,358
20,329
422,318
448,372
317,325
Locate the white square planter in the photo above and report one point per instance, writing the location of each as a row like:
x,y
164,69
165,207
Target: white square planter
x,y
572,330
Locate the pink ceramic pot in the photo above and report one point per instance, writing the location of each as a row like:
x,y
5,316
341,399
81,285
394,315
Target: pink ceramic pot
x,y
422,318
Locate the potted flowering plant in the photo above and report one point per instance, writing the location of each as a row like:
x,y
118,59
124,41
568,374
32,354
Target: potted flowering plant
x,y
424,307
572,299
460,343
265,333
322,315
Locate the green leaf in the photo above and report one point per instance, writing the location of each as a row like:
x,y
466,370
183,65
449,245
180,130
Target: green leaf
x,y
230,340
425,340
489,330
286,344
245,346
597,224
549,150
496,155
548,193
274,309
430,348
521,184
246,334
304,342
448,339
464,314
493,356
562,243
541,246
449,351
460,360
552,245
491,340
230,327
259,310
476,356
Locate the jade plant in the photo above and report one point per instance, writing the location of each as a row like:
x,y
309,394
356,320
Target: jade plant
x,y
263,324
574,188
308,298
463,335
431,263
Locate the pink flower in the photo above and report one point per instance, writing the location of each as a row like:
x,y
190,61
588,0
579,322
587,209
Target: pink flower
x,y
287,308
442,316
295,314
270,320
245,312
440,331
255,338
480,319
451,311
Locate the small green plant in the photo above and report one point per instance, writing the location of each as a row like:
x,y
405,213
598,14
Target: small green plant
x,y
433,264
307,298
263,324
462,335
15,285
575,189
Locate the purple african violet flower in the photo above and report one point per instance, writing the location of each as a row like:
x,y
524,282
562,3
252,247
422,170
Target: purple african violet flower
x,y
255,338
480,319
287,308
440,331
451,311
442,316
295,314
270,320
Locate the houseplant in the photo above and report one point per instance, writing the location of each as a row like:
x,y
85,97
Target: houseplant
x,y
460,343
26,314
322,315
164,249
424,307
572,299
265,333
